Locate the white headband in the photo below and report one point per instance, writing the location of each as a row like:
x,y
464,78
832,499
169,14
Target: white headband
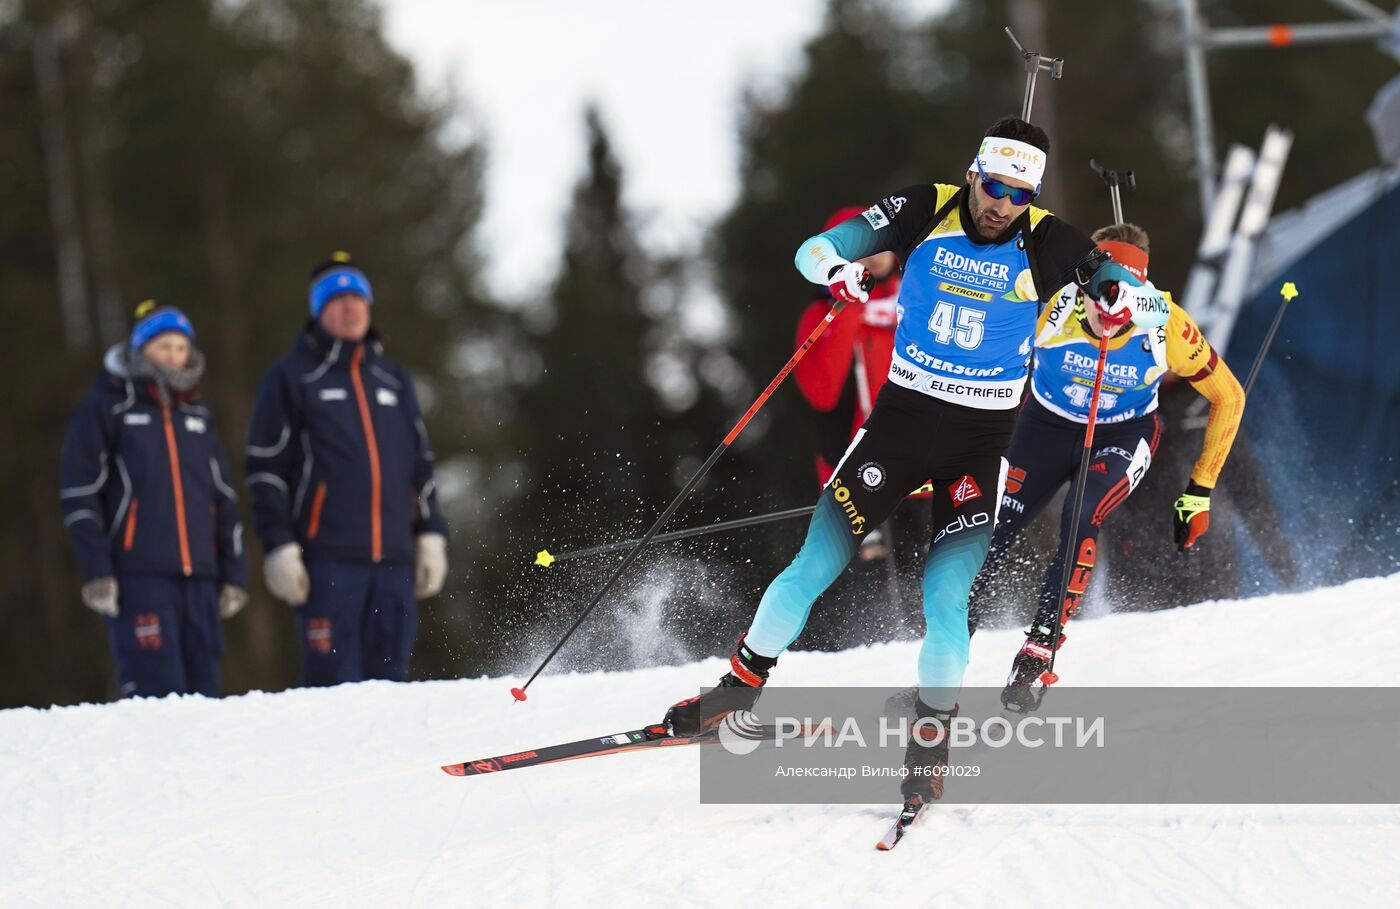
x,y
1011,158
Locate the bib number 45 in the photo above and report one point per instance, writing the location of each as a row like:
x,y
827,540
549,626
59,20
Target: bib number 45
x,y
961,325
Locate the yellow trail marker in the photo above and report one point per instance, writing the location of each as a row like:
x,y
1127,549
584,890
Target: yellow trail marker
x,y
1289,291
543,558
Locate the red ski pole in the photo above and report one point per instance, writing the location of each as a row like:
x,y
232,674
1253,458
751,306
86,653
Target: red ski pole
x,y
1048,676
519,693
1114,179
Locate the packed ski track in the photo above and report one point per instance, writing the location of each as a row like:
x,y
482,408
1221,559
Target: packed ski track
x,y
334,797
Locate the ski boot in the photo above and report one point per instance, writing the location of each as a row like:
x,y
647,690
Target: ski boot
x,y
926,756
1030,674
737,690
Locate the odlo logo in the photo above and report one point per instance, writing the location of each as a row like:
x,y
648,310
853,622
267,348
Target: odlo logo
x,y
963,523
842,494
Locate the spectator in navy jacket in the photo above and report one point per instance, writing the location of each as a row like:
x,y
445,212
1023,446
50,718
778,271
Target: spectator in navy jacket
x,y
146,495
341,476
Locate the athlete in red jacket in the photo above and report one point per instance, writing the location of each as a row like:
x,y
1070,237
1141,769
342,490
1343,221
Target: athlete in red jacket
x,y
845,369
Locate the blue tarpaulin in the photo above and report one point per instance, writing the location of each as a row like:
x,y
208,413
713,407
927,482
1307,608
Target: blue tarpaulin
x,y
1323,420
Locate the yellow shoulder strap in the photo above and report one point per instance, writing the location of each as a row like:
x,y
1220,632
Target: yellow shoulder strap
x,y
1038,215
953,219
946,191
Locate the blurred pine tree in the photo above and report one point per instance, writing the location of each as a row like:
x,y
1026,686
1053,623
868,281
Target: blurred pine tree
x,y
220,151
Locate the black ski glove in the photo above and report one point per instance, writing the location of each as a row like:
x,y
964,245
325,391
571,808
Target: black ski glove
x,y
1192,515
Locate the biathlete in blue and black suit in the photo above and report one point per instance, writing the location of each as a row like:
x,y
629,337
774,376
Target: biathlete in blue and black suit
x,y
979,263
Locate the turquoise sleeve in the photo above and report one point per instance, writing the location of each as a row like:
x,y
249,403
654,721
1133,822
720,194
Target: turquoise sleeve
x,y
850,240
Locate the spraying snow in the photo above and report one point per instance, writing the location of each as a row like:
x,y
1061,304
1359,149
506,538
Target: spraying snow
x,y
334,797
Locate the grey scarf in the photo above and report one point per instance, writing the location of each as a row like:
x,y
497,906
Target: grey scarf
x,y
125,363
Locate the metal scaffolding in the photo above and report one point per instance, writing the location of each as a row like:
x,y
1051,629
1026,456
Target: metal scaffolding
x,y
1370,24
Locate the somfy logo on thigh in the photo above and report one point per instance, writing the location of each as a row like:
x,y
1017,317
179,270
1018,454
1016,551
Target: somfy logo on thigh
x,y
842,493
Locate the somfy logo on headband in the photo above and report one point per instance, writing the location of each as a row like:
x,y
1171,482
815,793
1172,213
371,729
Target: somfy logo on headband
x,y
1011,158
1012,149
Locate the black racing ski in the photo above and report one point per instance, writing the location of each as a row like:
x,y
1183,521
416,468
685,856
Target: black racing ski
x,y
654,736
912,806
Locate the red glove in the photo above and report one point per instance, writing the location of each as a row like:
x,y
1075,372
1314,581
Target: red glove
x,y
850,283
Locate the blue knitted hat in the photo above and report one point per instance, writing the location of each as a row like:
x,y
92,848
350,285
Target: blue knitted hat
x,y
152,320
334,277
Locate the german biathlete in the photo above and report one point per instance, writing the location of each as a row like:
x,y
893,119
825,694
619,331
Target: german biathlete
x,y
1048,444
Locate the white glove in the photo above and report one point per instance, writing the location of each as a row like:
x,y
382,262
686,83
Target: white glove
x,y
850,283
430,566
286,576
231,600
100,595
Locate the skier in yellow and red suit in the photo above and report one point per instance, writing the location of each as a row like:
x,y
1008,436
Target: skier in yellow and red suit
x,y
1048,443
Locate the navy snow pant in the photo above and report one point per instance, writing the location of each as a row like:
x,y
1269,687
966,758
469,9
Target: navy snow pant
x,y
358,623
1045,455
166,637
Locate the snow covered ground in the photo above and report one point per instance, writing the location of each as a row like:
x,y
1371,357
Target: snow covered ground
x,y
334,797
